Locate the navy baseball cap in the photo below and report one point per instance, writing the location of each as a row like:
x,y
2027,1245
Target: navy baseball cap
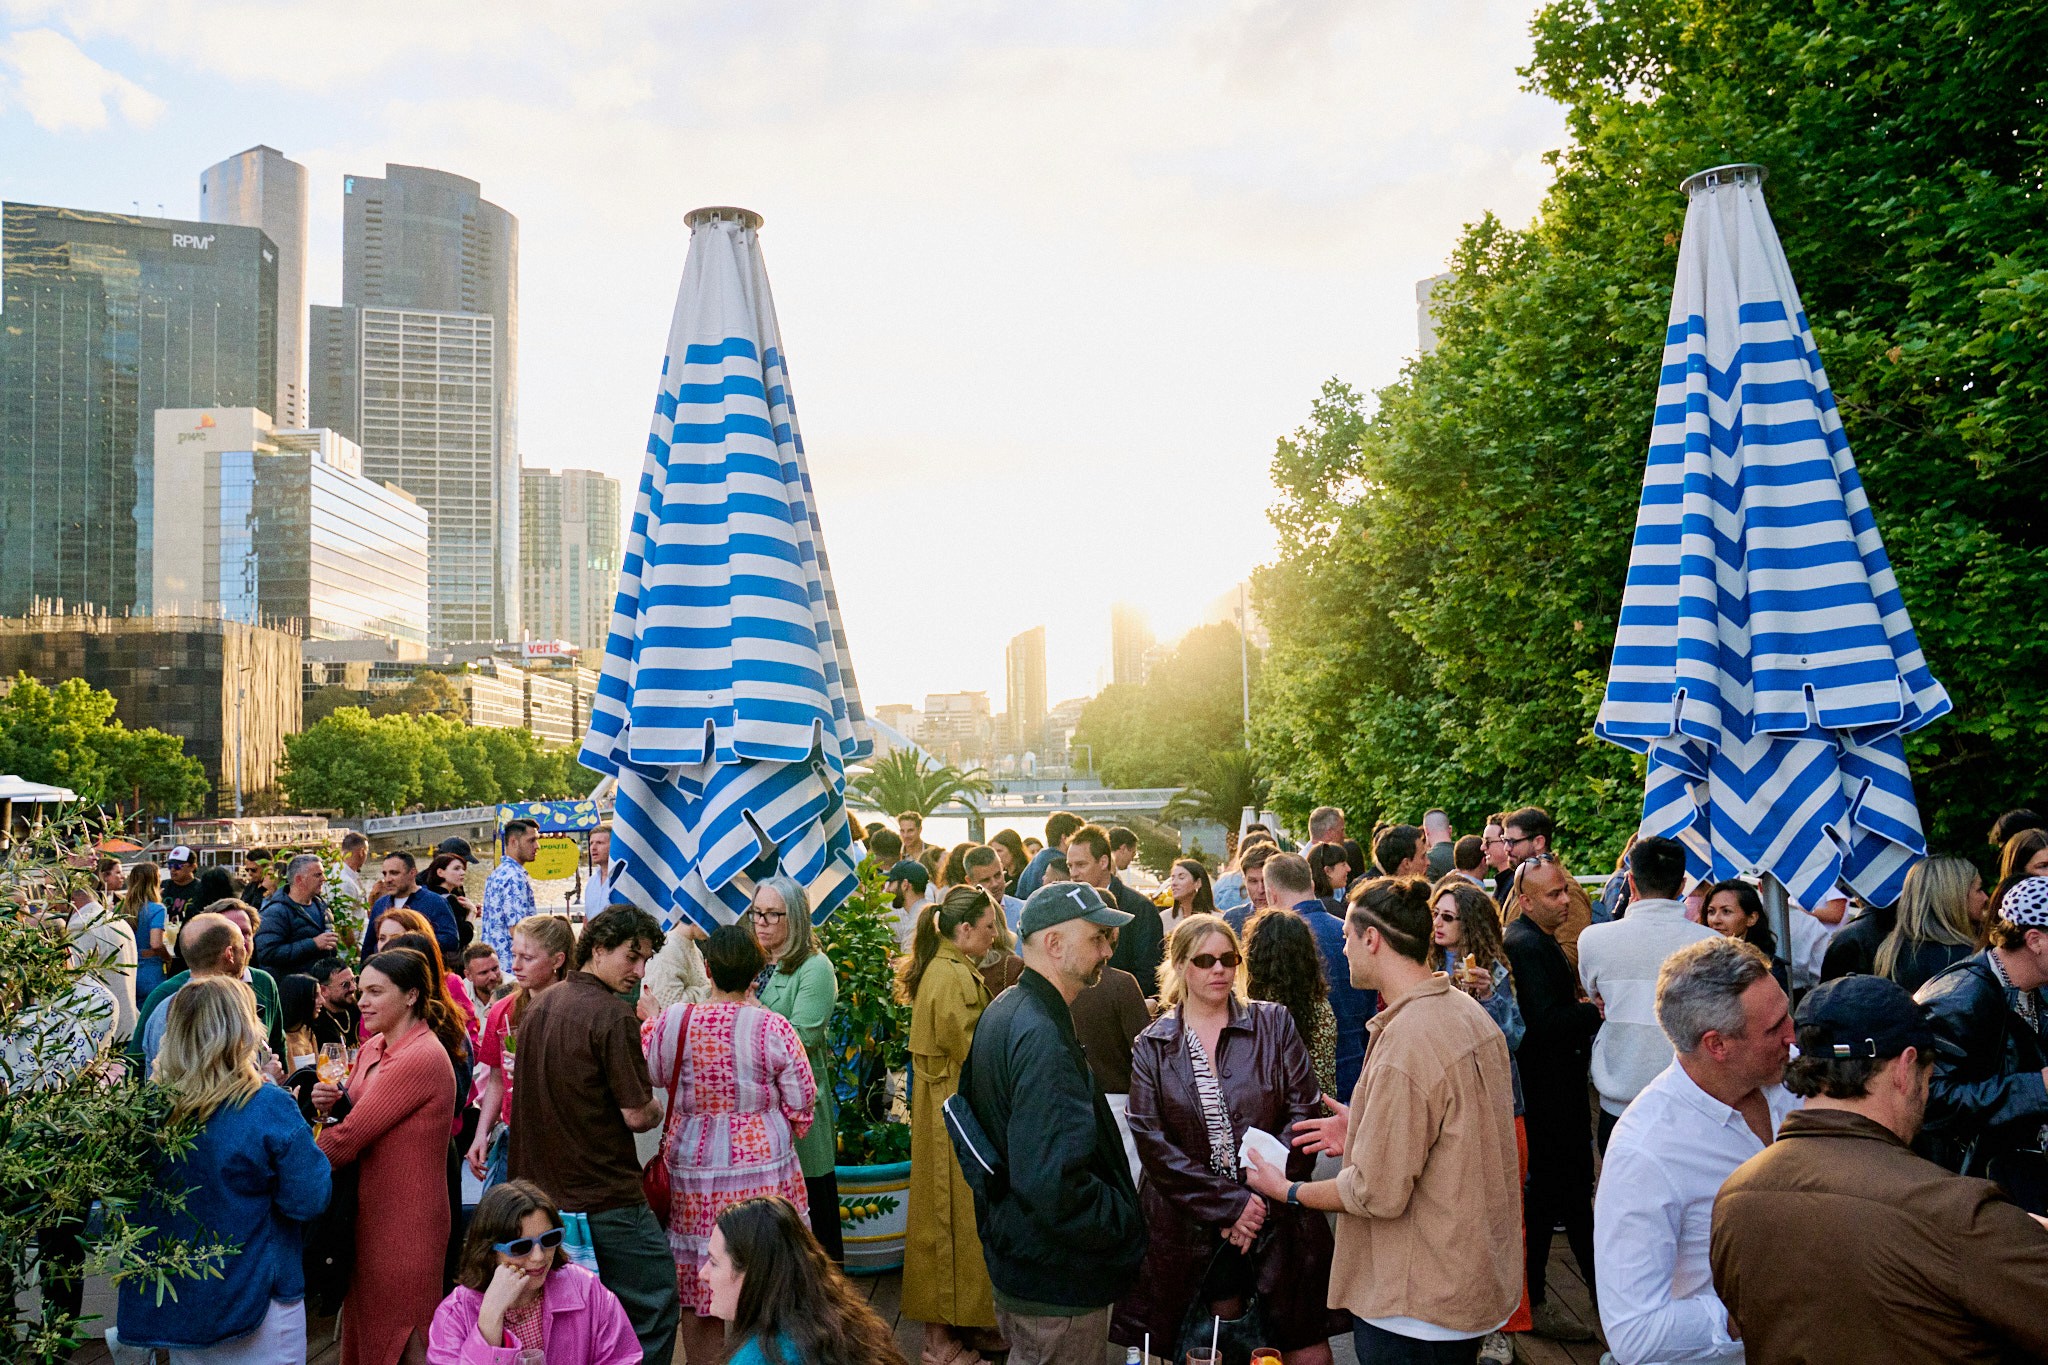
x,y
1871,1017
1061,901
912,871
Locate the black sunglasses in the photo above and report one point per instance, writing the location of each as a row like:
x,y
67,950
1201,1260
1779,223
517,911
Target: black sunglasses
x,y
1207,960
521,1246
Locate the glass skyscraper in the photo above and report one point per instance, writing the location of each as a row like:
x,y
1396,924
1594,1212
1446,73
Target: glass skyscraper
x,y
105,318
419,366
569,545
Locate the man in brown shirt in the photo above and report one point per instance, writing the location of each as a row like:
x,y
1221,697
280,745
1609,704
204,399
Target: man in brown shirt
x,y
583,1092
1108,1017
1429,1202
1922,1267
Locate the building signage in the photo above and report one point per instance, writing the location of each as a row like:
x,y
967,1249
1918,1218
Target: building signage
x,y
192,240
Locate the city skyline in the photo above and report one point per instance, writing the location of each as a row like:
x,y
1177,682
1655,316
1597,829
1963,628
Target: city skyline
x,y
1238,201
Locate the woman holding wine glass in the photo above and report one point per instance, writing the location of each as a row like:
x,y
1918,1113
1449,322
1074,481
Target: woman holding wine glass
x,y
394,1119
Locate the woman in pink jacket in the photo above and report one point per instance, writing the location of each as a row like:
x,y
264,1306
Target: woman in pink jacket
x,y
516,1290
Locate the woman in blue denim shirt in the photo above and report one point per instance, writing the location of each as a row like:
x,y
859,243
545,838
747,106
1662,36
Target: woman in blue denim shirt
x,y
252,1178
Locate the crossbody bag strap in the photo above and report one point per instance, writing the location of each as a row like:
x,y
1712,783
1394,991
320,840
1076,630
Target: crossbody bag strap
x,y
675,1075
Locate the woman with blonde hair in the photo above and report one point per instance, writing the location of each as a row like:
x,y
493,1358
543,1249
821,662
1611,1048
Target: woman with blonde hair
x,y
250,1179
945,1281
1941,908
542,946
1213,1066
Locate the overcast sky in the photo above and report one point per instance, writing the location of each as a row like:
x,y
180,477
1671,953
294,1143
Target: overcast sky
x,y
1053,277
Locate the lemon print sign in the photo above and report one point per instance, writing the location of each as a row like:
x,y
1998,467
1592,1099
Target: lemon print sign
x,y
555,861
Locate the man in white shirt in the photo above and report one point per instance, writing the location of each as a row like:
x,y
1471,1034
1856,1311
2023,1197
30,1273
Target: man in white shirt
x,y
355,851
597,888
1812,932
97,932
906,883
1618,966
1717,1105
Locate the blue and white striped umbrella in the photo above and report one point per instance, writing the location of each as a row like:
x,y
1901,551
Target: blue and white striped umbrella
x,y
1764,660
728,709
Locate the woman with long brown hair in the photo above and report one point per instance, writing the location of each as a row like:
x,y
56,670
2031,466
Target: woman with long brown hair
x,y
142,903
1283,965
787,1303
945,1281
1193,894
542,946
2024,855
393,1120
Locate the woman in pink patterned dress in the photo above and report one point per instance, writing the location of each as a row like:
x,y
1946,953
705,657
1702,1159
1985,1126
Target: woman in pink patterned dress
x,y
740,1094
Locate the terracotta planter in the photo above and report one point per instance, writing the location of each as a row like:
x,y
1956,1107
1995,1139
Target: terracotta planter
x,y
874,1210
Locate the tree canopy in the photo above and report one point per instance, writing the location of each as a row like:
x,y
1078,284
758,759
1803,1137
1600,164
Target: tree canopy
x,y
357,763
68,735
1162,732
1454,548
899,781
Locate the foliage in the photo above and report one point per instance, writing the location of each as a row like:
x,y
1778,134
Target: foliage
x,y
1454,551
68,735
325,701
356,763
899,781
428,694
1158,733
1220,785
870,1030
73,1129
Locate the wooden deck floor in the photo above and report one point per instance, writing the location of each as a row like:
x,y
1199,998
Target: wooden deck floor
x,y
884,1293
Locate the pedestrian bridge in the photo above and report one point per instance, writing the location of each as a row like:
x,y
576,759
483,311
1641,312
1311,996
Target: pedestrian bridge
x,y
1081,801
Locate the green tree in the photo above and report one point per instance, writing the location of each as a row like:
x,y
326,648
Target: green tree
x,y
150,770
427,694
899,781
1157,733
69,735
325,701
354,764
1454,549
1220,785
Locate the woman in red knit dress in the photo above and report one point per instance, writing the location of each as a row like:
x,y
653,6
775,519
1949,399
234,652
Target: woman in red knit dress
x,y
400,1103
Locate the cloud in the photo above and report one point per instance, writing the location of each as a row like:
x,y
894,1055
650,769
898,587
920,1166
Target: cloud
x,y
63,90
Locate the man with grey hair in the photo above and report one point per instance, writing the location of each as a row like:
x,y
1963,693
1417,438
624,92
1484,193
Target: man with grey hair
x,y
1716,1105
1060,1227
1326,825
295,931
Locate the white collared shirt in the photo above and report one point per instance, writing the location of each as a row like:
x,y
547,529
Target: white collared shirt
x,y
1670,1154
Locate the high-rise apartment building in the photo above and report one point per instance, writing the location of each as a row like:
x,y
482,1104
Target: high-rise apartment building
x,y
104,318
569,552
263,188
1025,674
419,367
1130,644
958,729
278,526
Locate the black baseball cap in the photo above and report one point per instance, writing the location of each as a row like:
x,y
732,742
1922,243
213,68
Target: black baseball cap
x,y
1870,1017
1061,901
458,846
912,871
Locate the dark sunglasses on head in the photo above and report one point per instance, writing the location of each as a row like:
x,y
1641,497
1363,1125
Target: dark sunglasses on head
x,y
1207,960
523,1246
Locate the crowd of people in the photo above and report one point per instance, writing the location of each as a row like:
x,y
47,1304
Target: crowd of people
x,y
1325,1090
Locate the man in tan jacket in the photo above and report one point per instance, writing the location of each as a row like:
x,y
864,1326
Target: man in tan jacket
x,y
1429,1204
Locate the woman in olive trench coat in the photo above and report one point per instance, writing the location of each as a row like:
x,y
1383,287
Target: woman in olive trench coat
x,y
945,1282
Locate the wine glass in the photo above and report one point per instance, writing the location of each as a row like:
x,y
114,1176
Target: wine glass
x,y
333,1068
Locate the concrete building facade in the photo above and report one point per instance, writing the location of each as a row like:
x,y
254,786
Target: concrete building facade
x,y
569,547
1024,670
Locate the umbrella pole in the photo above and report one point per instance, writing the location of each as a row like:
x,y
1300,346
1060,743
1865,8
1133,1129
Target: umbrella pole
x,y
1777,911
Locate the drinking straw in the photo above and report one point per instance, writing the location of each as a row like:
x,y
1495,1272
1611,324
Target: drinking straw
x,y
1216,1338
1148,1348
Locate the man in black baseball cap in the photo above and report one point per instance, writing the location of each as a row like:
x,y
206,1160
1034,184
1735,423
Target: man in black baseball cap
x,y
1921,1267
1061,1232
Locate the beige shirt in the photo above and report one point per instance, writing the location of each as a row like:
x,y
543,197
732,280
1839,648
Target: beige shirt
x,y
1432,1223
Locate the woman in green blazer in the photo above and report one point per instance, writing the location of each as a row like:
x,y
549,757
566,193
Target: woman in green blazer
x,y
800,985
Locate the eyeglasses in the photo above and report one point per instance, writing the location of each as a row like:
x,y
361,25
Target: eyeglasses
x,y
1518,839
768,916
1205,961
1449,918
523,1246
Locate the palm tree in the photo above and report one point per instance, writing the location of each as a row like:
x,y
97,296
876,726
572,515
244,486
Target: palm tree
x,y
1222,784
900,781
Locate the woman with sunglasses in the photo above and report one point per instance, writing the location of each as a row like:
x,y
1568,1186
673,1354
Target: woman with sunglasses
x,y
799,984
517,1291
1213,1066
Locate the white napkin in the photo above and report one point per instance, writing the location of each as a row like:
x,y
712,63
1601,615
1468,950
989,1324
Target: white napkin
x,y
1270,1149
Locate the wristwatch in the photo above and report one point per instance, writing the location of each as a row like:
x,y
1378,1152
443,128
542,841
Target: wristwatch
x,y
1294,1193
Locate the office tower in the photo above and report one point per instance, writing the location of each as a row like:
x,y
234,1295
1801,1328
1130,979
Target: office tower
x,y
1426,308
1025,670
262,188
958,729
104,318
230,691
419,365
569,553
1130,642
278,526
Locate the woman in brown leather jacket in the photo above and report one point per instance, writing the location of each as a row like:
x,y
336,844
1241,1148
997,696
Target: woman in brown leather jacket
x,y
1211,1067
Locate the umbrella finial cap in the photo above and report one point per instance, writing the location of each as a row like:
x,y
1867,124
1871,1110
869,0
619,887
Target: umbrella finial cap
x,y
1735,173
722,213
